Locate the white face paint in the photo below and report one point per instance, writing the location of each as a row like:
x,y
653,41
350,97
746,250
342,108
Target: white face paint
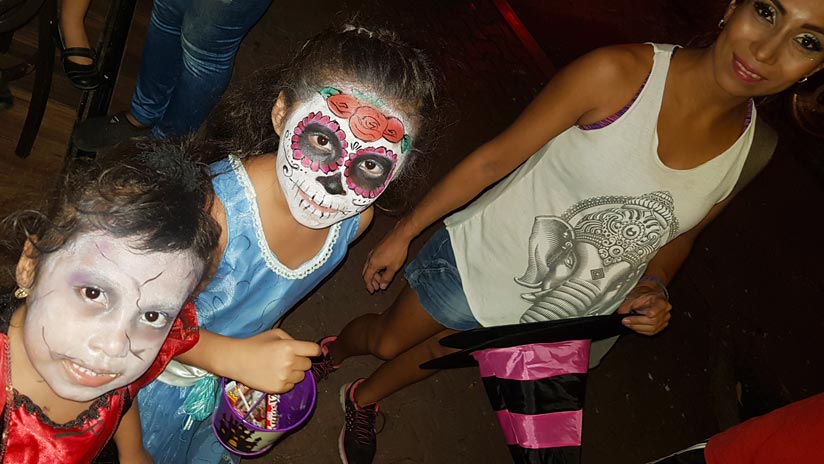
x,y
338,152
99,312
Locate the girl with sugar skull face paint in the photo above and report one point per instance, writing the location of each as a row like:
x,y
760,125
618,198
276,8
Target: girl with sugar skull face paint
x,y
308,155
337,154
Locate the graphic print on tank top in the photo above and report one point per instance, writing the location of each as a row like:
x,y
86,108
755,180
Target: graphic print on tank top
x,y
582,262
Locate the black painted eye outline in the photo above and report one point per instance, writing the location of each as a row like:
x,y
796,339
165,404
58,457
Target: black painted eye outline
x,y
322,127
386,158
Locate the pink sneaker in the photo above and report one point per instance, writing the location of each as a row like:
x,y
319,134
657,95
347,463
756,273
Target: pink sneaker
x,y
358,440
322,365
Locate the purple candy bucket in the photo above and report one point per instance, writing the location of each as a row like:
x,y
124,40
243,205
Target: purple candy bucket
x,y
246,439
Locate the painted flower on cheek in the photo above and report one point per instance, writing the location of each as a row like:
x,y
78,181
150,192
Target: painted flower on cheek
x,y
319,143
369,170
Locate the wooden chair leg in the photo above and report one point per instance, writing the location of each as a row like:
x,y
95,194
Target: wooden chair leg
x,y
6,99
42,78
11,74
5,41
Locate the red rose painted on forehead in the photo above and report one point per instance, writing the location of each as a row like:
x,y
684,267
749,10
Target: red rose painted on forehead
x,y
368,124
394,130
342,105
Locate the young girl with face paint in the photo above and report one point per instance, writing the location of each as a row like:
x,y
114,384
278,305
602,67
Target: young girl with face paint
x,y
613,170
310,147
100,307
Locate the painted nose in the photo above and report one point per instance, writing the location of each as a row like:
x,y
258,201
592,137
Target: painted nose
x,y
113,343
332,184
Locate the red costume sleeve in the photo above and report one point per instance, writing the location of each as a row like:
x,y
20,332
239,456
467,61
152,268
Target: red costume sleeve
x,y
789,435
28,439
183,336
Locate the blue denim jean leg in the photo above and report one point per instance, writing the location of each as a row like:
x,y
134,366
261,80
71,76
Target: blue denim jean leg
x,y
435,278
188,55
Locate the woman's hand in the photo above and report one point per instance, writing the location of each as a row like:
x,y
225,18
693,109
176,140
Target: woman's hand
x,y
650,304
384,261
271,362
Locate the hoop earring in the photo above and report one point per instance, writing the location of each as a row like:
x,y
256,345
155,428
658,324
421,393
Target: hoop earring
x,y
721,23
21,293
803,80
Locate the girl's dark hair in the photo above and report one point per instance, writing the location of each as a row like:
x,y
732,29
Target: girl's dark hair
x,y
241,122
153,193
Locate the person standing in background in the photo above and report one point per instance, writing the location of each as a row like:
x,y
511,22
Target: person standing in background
x,y
188,55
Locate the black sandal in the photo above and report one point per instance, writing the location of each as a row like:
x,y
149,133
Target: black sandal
x,y
102,132
82,76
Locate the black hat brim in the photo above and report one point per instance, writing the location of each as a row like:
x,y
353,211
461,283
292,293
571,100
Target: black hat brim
x,y
504,336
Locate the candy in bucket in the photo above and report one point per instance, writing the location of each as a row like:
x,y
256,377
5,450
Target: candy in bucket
x,y
249,422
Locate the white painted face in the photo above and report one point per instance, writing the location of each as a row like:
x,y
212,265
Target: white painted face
x,y
338,152
99,311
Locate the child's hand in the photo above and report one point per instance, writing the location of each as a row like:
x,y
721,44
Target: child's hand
x,y
384,261
136,457
271,362
652,309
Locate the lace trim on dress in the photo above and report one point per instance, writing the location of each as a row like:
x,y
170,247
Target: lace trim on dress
x,y
89,415
268,256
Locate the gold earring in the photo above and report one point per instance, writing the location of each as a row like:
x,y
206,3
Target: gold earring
x,y
21,293
721,23
803,80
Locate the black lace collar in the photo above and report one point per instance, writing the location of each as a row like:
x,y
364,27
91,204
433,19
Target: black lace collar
x,y
89,415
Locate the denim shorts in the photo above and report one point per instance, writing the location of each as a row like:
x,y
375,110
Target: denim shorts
x,y
434,277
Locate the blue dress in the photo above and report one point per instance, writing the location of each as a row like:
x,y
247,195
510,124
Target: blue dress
x,y
249,292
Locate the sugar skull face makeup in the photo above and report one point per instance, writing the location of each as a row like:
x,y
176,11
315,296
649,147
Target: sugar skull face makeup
x,y
99,312
338,153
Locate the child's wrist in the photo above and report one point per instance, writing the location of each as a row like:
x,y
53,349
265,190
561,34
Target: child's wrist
x,y
406,229
654,282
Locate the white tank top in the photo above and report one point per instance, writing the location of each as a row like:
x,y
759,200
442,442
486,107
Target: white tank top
x,y
570,232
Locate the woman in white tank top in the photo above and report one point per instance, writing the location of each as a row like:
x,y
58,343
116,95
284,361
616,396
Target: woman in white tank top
x,y
611,173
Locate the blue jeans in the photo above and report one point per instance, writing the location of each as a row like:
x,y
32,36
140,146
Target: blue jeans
x,y
188,55
435,278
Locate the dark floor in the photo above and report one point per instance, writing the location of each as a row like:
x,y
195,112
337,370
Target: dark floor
x,y
744,303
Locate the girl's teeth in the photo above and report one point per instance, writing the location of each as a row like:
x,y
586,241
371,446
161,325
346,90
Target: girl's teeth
x,y
90,372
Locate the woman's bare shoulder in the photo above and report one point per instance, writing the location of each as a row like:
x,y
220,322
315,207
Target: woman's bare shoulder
x,y
611,76
621,63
